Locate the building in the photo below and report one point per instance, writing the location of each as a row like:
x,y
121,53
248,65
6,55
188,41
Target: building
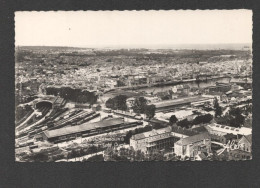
x,y
86,129
240,149
152,140
193,145
245,143
181,102
221,130
220,87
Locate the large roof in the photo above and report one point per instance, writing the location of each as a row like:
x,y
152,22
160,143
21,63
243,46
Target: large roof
x,y
174,102
193,139
151,133
228,129
83,127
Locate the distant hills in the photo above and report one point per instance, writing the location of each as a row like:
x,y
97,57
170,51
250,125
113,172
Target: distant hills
x,y
240,46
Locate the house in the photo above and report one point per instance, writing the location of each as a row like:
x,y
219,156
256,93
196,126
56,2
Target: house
x,y
193,145
245,143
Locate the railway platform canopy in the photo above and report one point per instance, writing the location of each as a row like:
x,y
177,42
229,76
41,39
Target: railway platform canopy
x,y
86,127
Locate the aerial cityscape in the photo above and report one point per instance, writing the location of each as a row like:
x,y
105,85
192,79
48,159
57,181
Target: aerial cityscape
x,y
158,103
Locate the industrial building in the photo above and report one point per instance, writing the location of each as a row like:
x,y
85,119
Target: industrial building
x,y
87,129
175,103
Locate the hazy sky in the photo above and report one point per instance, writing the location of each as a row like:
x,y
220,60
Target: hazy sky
x,y
126,28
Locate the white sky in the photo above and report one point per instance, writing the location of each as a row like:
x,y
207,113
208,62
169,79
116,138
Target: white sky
x,y
124,28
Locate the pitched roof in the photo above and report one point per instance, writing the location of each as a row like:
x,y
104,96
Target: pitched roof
x,y
83,127
151,133
186,100
193,139
249,138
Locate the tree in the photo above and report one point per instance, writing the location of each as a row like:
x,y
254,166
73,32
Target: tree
x,y
184,123
156,155
121,102
237,118
139,156
128,136
117,103
173,119
139,105
110,103
202,119
136,131
149,111
218,109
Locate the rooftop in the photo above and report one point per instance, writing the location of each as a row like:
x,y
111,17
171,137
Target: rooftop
x,y
179,101
151,133
83,127
193,139
228,129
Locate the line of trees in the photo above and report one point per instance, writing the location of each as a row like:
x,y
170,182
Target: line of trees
x,y
74,95
187,124
140,105
235,118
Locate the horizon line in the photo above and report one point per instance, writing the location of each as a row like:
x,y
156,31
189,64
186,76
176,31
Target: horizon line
x,y
133,45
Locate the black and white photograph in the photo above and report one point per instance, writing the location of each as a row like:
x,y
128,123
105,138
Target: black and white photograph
x,y
131,86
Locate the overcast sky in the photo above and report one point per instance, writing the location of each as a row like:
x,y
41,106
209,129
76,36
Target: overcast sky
x,y
127,28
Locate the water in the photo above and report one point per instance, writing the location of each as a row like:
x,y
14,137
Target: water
x,y
192,84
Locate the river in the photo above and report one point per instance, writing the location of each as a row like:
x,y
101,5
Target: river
x,y
192,84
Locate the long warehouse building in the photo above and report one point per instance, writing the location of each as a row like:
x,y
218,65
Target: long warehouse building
x,y
86,129
175,103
